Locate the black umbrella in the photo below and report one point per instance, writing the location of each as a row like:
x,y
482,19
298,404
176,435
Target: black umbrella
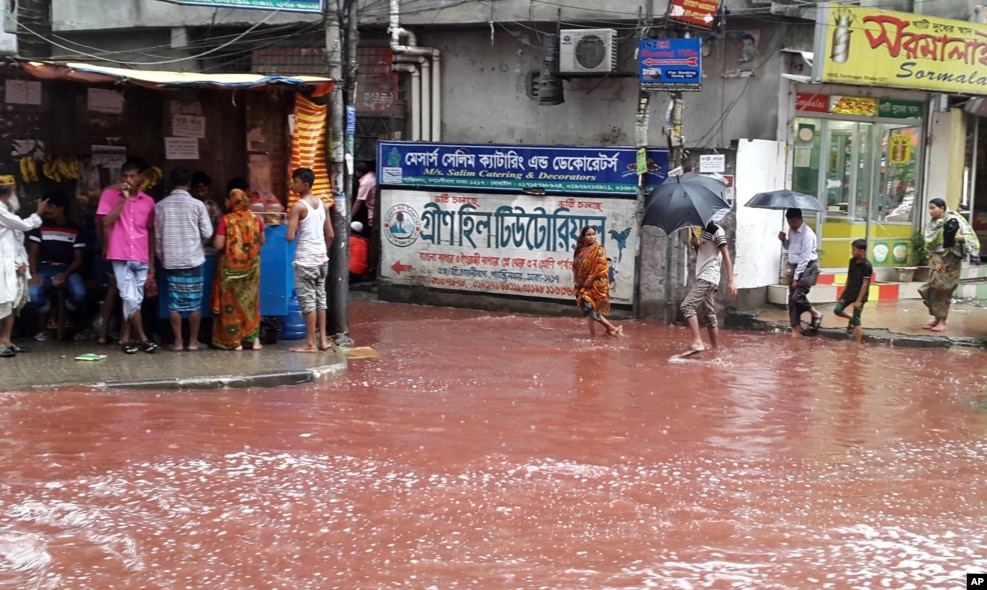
x,y
785,199
684,201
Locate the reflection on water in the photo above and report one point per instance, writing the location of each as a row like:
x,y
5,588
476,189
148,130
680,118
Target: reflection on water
x,y
505,451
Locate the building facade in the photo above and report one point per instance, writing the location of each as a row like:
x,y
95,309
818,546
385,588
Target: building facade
x,y
471,73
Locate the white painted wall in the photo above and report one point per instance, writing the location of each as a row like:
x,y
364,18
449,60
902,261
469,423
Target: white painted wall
x,y
758,249
485,94
937,167
8,43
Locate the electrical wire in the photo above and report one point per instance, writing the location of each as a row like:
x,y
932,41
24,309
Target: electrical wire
x,y
711,132
21,25
275,32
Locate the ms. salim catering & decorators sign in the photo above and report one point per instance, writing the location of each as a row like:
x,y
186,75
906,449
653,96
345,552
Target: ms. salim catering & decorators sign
x,y
286,5
512,168
864,46
480,219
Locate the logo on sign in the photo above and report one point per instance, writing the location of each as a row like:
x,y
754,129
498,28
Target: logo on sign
x,y
401,225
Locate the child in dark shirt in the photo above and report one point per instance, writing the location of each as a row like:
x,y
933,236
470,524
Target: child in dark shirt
x,y
858,279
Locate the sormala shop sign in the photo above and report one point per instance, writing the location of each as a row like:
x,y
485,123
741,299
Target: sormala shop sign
x,y
870,47
286,5
517,245
512,168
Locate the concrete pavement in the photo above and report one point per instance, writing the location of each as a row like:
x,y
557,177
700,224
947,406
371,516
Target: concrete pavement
x,y
895,322
53,364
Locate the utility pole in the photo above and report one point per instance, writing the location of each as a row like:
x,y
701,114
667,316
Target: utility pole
x,y
338,283
34,28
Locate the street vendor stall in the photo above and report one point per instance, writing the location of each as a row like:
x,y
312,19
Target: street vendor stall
x,y
245,126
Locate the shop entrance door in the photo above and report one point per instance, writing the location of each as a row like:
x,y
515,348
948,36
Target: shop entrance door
x,y
866,176
848,180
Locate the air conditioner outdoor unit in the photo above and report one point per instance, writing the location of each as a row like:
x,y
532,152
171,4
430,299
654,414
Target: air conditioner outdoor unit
x,y
586,51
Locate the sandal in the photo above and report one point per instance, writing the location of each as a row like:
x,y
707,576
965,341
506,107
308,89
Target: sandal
x,y
815,323
129,348
148,346
19,349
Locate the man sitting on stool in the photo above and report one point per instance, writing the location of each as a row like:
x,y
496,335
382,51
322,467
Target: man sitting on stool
x,y
55,253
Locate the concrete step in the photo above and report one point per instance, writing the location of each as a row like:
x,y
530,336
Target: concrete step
x,y
778,294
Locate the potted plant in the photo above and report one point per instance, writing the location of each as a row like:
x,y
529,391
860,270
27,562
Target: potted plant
x,y
920,256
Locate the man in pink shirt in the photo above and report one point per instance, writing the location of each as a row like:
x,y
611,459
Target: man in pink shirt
x,y
365,202
125,222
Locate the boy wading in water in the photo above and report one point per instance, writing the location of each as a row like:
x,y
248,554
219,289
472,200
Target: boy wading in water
x,y
711,253
858,276
309,222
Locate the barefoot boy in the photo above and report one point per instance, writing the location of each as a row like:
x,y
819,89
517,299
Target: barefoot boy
x,y
309,221
854,296
711,252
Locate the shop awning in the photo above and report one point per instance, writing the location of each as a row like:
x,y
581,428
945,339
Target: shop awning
x,y
93,74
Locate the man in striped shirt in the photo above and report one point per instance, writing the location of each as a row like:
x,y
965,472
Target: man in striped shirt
x,y
55,254
711,252
181,226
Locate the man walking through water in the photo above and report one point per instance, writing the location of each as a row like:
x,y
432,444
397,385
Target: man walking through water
x,y
803,261
309,221
711,252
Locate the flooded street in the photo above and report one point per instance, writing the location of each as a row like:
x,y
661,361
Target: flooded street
x,y
486,450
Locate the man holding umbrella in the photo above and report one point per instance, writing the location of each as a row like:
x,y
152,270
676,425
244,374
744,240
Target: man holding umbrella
x,y
711,251
803,261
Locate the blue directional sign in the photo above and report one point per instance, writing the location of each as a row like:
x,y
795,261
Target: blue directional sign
x,y
671,64
286,5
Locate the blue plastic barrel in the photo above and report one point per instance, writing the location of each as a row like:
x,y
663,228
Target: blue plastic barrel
x,y
293,325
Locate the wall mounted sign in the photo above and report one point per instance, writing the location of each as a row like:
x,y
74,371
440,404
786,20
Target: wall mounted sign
x,y
700,13
286,5
516,169
868,47
516,245
670,64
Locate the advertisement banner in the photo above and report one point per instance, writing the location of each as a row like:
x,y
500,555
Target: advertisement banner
x,y
286,5
513,168
670,64
869,47
700,13
516,245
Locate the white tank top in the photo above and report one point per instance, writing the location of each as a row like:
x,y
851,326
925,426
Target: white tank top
x,y
311,250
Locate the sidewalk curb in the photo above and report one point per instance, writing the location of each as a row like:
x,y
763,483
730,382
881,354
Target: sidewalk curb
x,y
278,379
750,321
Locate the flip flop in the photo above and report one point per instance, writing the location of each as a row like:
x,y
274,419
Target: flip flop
x,y
19,349
929,326
939,328
691,352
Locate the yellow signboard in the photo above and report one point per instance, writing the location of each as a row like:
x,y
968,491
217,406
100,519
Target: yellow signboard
x,y
870,47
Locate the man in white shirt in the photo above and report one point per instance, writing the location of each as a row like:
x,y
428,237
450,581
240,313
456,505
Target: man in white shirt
x,y
804,265
711,252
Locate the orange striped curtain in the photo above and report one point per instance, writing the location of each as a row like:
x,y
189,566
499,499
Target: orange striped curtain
x,y
308,147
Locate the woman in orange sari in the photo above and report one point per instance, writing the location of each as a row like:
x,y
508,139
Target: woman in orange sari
x,y
235,301
591,280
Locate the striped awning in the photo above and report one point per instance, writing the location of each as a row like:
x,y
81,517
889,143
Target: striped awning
x,y
93,74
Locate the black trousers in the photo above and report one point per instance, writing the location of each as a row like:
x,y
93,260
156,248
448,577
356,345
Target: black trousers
x,y
798,298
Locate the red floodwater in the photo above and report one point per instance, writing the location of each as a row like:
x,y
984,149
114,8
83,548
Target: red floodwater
x,y
505,451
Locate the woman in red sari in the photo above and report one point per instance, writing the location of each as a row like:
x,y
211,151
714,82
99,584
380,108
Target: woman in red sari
x,y
235,301
591,280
